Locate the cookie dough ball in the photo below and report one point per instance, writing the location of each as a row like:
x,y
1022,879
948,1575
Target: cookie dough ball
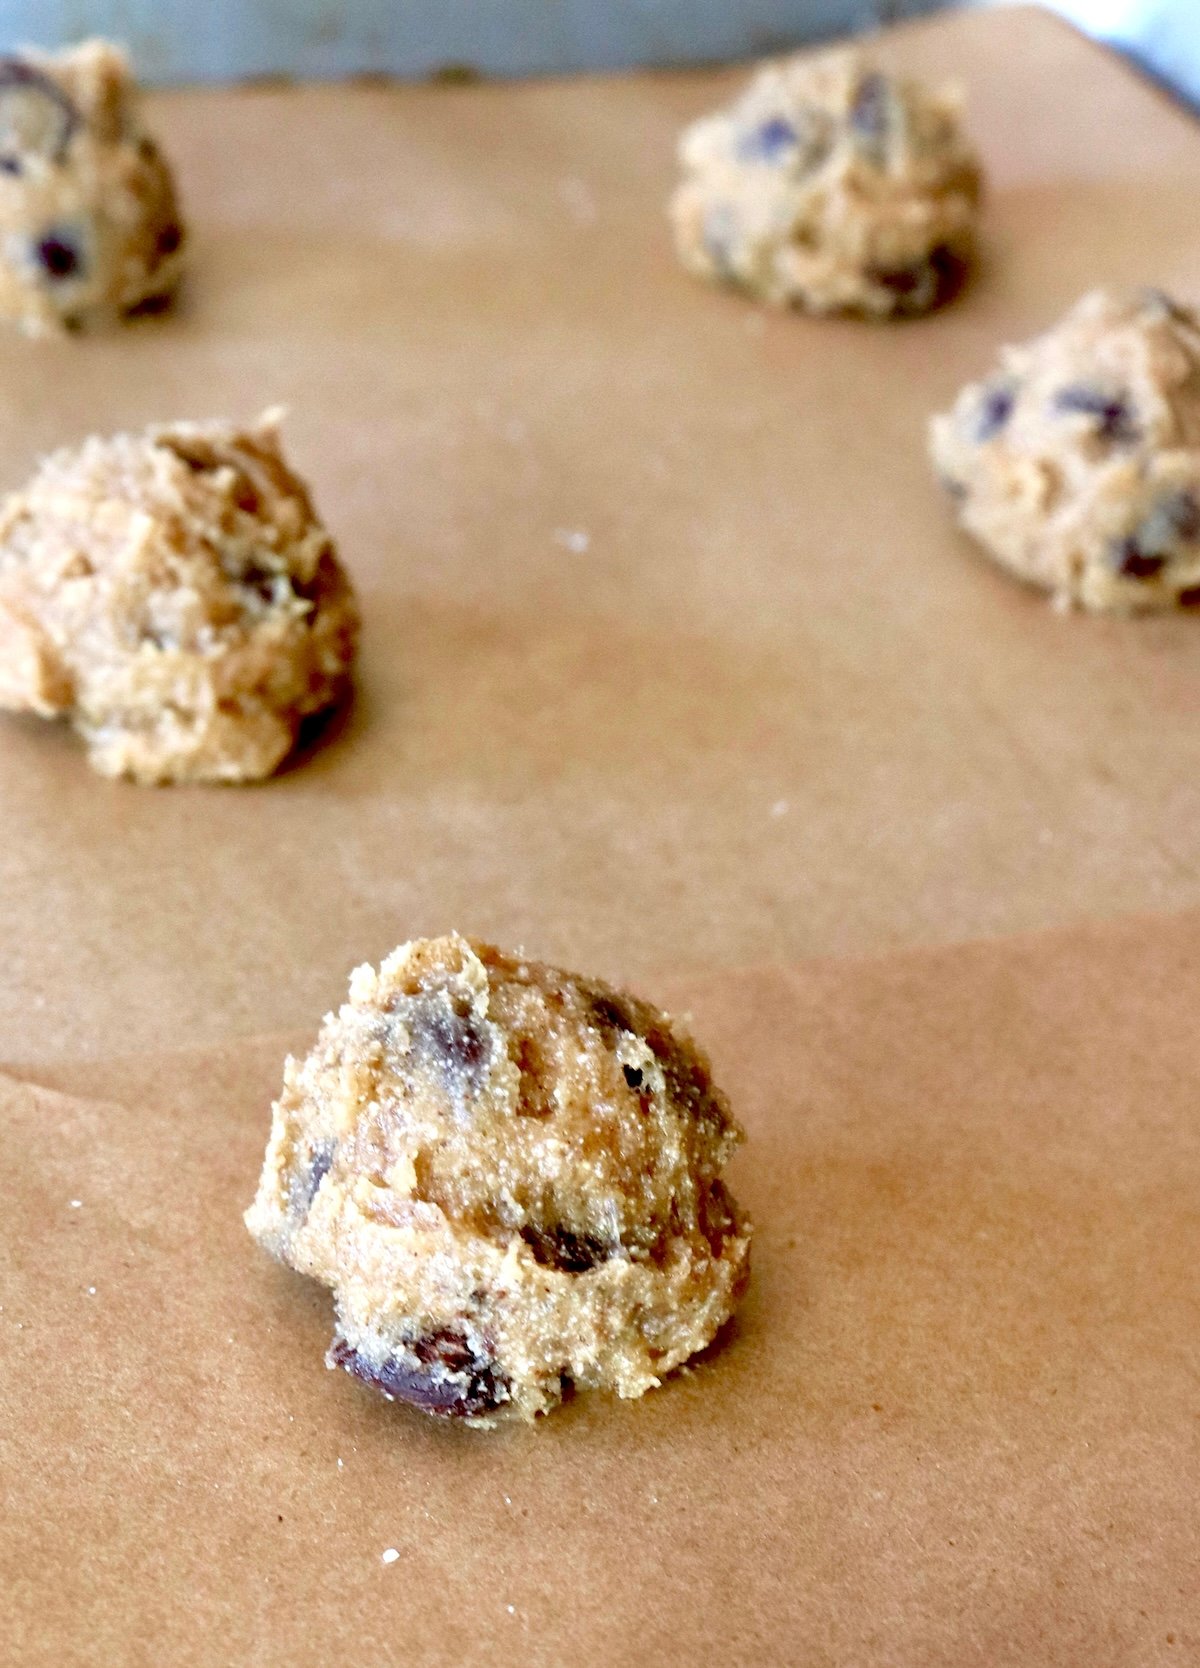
x,y
175,596
1076,464
89,227
510,1177
830,186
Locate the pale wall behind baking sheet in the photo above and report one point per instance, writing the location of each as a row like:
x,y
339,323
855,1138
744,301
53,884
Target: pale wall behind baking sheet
x,y
214,40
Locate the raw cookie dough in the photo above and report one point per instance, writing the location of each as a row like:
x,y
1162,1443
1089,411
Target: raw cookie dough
x,y
175,596
510,1178
1077,463
89,227
831,186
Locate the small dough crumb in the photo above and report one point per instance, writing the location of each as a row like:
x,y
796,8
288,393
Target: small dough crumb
x,y
831,186
510,1178
89,226
1076,464
174,595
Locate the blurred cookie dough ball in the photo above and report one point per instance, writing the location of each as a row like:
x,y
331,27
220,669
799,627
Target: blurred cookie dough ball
x,y
511,1179
174,595
831,186
1076,463
89,226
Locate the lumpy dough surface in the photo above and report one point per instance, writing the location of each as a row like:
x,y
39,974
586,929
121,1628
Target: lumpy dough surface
x,y
89,225
174,595
1076,464
831,186
510,1177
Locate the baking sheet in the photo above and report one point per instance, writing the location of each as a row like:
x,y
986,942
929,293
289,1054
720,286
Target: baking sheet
x,y
768,707
776,708
954,1421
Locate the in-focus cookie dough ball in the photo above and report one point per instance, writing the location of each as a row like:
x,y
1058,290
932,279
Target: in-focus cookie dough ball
x,y
510,1177
1076,464
175,596
89,226
830,186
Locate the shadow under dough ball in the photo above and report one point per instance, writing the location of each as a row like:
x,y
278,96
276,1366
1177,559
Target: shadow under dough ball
x,y
89,226
831,186
1076,463
510,1178
175,596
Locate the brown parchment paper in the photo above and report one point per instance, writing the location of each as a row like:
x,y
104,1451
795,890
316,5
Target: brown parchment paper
x,y
776,708
955,1421
768,707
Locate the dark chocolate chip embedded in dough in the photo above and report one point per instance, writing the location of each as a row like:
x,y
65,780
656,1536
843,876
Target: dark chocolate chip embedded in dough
x,y
770,141
439,1374
59,256
995,409
562,1248
1174,520
456,1041
922,284
307,1178
1111,412
871,115
633,1076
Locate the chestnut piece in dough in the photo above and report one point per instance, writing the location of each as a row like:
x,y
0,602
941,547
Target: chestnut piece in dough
x,y
174,595
1076,463
89,226
510,1178
831,186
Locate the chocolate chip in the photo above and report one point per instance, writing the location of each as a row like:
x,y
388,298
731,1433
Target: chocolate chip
x,y
562,1248
871,115
169,239
923,284
995,408
769,141
36,116
609,1012
440,1373
1112,414
633,1076
59,256
1174,520
457,1041
1133,562
307,1178
450,1040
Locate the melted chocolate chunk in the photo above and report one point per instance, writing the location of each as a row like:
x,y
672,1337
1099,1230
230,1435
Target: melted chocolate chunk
x,y
36,116
768,142
563,1249
995,409
1113,419
443,1377
633,1076
59,256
